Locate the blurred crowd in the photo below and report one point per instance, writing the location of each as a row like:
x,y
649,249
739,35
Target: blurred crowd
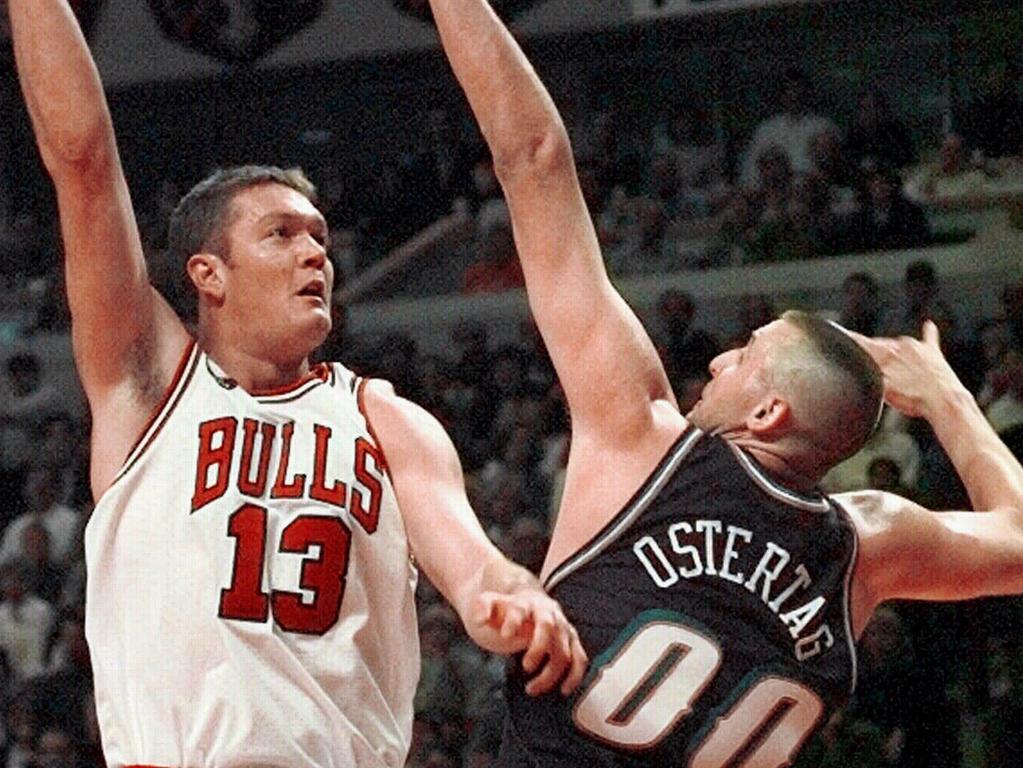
x,y
668,189
940,684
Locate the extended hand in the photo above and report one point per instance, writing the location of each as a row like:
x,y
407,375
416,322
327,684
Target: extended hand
x,y
915,372
529,619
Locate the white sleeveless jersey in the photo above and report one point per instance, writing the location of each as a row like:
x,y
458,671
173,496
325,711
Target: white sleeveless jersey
x,y
250,590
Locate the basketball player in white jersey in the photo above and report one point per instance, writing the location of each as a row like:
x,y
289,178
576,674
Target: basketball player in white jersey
x,y
740,588
250,597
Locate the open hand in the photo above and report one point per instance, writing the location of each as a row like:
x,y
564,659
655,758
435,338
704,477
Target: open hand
x,y
530,620
916,372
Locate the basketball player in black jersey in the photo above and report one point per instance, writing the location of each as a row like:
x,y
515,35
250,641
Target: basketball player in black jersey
x,y
718,593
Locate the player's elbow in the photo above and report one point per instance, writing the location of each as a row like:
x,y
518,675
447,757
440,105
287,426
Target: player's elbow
x,y
543,152
86,153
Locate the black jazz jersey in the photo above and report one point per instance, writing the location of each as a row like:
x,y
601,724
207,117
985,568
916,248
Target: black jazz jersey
x,y
715,610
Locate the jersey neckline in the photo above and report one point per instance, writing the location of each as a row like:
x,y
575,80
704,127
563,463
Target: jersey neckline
x,y
815,502
318,373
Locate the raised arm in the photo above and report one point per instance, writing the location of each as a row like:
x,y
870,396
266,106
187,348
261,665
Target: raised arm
x,y
911,552
126,339
607,364
502,605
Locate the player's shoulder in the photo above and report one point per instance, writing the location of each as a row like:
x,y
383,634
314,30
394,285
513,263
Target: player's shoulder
x,y
405,429
878,514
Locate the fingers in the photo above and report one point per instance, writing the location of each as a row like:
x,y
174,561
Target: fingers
x,y
579,662
931,336
556,640
512,620
552,655
566,658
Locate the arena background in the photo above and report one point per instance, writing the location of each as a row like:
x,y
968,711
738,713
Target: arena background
x,y
887,219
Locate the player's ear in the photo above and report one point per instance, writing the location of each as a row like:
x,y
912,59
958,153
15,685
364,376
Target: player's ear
x,y
770,417
206,272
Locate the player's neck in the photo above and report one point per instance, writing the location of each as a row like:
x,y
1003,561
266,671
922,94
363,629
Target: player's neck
x,y
782,467
253,370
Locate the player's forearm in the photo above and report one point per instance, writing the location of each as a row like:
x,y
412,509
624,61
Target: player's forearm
x,y
991,474
516,114
60,82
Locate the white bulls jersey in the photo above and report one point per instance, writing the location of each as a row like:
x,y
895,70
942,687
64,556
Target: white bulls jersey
x,y
250,590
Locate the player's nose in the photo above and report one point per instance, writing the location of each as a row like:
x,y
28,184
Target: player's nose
x,y
313,253
719,362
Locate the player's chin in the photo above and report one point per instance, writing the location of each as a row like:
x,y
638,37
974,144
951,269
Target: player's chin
x,y
317,327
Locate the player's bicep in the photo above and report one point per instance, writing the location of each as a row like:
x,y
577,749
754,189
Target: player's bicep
x,y
445,536
590,331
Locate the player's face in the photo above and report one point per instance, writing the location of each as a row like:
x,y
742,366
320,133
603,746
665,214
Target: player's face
x,y
277,277
738,381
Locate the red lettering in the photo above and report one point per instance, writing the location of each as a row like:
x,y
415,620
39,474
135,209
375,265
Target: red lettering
x,y
336,493
245,599
216,459
283,489
368,516
246,484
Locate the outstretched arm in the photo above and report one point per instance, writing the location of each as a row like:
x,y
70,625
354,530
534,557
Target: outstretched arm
x,y
949,555
126,338
502,605
607,364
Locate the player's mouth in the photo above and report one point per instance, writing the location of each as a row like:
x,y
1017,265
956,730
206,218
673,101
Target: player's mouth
x,y
316,289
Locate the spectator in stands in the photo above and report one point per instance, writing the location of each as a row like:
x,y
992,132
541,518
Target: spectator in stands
x,y
876,138
15,441
689,141
43,576
21,730
645,247
760,222
831,164
921,300
41,501
992,123
886,219
792,129
890,442
861,304
63,696
954,175
1001,395
441,693
440,167
1012,306
755,310
688,349
30,396
885,474
25,622
603,144
497,267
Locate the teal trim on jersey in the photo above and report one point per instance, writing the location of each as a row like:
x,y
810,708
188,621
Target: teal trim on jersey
x,y
642,620
754,676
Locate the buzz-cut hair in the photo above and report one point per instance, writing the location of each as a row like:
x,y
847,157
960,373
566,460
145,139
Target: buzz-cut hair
x,y
853,386
199,222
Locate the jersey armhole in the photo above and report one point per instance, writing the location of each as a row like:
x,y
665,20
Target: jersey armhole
x,y
359,384
159,415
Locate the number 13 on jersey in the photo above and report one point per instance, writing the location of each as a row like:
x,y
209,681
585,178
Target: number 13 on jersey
x,y
654,674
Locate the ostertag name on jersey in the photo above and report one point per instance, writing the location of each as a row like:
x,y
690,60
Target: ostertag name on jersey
x,y
257,459
711,549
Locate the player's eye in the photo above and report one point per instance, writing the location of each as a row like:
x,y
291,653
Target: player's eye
x,y
278,232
